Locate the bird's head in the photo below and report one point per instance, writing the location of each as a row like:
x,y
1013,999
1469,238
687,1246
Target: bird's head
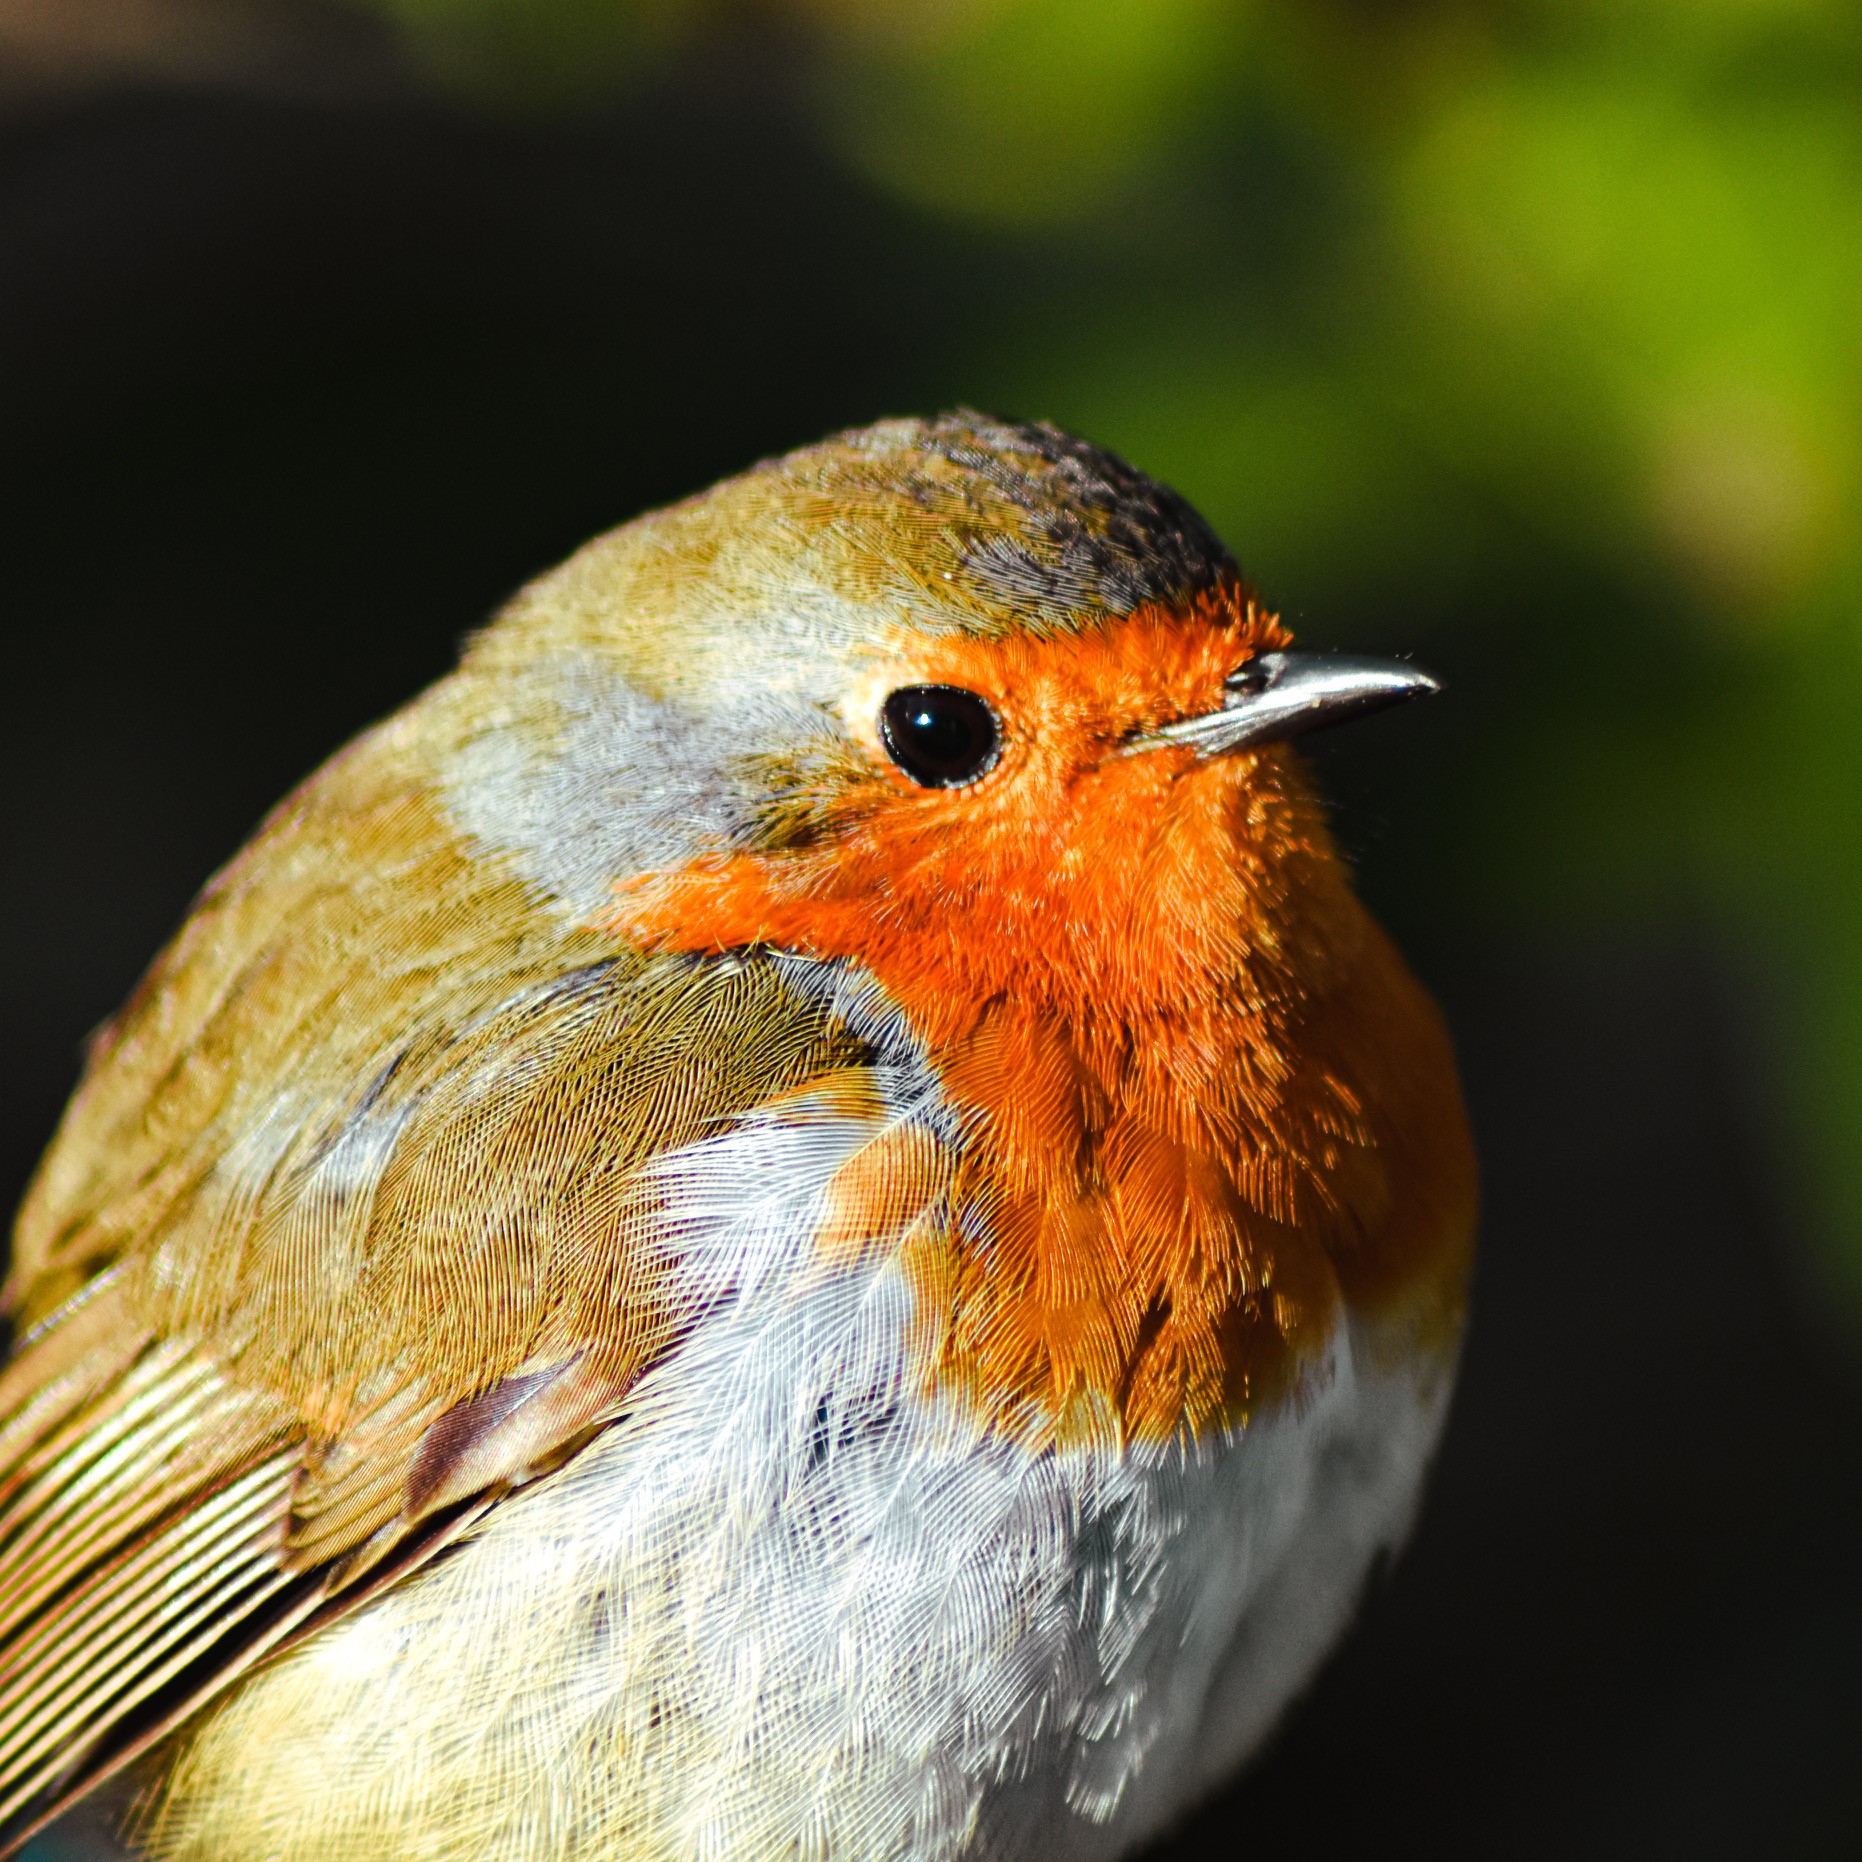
x,y
979,706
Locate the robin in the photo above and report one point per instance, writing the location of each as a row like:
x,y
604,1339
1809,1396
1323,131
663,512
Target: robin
x,y
797,1215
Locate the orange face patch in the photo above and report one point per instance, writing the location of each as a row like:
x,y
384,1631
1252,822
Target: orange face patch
x,y
1206,1101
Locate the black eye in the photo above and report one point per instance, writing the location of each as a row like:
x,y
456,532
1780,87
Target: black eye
x,y
940,735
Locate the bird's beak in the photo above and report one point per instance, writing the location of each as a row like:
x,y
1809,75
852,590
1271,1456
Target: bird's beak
x,y
1279,695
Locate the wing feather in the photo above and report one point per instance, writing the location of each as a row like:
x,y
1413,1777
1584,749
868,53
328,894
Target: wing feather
x,y
351,1226
185,1597
137,1529
181,1497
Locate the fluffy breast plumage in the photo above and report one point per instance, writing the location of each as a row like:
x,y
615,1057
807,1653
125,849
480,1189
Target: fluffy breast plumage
x,y
799,1603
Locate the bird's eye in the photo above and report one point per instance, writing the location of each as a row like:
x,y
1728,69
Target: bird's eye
x,y
940,735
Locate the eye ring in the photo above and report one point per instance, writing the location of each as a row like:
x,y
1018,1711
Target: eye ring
x,y
941,736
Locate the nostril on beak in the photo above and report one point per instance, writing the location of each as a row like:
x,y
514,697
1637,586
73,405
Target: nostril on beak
x,y
1251,676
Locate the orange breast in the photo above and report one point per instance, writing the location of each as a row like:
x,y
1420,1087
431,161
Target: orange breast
x,y
1208,1106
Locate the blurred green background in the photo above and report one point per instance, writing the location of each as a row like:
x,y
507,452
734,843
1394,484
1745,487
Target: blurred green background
x,y
1524,336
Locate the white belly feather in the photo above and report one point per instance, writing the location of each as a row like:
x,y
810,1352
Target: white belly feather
x,y
791,1608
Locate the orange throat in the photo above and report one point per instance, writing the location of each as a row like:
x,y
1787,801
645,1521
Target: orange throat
x,y
1207,1110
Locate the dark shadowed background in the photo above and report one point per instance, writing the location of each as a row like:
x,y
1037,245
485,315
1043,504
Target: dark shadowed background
x,y
1525,335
